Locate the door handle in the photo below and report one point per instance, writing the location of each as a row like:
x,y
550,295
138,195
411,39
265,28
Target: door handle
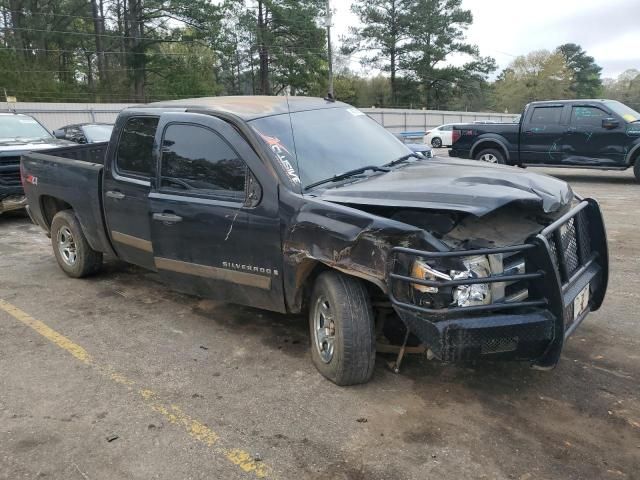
x,y
115,194
167,217
571,130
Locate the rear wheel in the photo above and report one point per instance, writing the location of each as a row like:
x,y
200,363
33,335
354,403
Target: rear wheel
x,y
490,155
341,325
436,142
73,253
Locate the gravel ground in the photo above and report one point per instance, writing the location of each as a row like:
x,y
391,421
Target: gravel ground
x,y
146,383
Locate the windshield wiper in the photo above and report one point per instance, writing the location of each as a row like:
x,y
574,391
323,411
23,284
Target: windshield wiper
x,y
402,159
350,173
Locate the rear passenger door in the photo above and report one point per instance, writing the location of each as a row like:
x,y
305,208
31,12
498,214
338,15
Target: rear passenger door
x,y
128,171
542,134
587,142
215,230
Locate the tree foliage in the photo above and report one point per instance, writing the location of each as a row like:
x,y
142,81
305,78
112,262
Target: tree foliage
x,y
586,82
135,50
540,75
625,88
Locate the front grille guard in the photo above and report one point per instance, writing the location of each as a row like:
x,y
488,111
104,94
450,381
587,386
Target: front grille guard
x,y
396,279
543,262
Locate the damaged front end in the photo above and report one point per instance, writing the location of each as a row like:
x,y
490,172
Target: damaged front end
x,y
504,300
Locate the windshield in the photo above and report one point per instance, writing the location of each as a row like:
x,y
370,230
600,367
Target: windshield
x,y
98,133
22,128
319,144
629,114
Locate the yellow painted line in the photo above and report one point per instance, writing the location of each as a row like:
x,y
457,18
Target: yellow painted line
x,y
172,413
48,333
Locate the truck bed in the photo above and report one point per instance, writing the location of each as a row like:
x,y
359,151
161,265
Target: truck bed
x,y
506,133
72,176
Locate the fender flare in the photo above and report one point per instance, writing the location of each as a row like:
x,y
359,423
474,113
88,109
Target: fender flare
x,y
631,154
497,140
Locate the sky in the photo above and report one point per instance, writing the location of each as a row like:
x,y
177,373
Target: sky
x,y
609,30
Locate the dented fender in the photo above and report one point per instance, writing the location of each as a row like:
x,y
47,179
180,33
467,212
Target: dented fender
x,y
342,238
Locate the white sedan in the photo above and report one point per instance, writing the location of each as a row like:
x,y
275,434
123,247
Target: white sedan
x,y
439,136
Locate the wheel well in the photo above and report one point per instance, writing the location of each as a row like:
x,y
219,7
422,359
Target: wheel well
x,y
309,272
489,144
51,206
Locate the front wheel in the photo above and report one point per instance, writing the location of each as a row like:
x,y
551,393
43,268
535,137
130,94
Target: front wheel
x,y
342,332
436,142
73,253
490,155
636,169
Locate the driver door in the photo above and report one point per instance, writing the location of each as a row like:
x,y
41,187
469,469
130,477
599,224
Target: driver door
x,y
215,231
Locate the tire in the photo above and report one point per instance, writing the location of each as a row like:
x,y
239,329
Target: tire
x,y
73,253
343,351
636,169
436,142
490,155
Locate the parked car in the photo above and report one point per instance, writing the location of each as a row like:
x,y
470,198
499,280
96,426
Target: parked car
x,y
600,134
85,132
409,139
421,148
19,134
440,136
465,258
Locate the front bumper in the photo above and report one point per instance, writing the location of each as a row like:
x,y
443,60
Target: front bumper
x,y
561,261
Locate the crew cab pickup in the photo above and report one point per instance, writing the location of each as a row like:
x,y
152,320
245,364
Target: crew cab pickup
x,y
19,134
600,134
297,204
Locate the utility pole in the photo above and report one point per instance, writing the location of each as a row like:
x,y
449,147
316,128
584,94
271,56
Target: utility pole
x,y
329,53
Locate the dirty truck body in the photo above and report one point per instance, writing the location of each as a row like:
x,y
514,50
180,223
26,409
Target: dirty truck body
x,y
241,199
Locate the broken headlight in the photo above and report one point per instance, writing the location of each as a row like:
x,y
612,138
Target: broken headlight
x,y
475,294
462,295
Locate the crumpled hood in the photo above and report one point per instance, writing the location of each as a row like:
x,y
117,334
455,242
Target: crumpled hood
x,y
452,184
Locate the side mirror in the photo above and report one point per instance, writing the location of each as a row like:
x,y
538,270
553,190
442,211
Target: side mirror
x,y
610,123
59,134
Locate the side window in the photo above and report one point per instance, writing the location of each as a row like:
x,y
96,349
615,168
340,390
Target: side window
x,y
135,148
587,116
447,128
198,161
546,115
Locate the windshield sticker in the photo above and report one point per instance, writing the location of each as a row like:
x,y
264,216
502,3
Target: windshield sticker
x,y
283,154
355,112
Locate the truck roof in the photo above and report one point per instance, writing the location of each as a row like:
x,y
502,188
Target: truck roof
x,y
575,100
249,107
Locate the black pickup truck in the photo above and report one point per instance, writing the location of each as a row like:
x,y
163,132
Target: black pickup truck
x,y
600,134
301,204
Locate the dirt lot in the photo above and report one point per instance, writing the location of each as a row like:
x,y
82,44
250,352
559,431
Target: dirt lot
x,y
118,377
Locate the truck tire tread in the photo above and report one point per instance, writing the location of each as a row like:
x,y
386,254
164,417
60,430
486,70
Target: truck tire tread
x,y
354,355
88,261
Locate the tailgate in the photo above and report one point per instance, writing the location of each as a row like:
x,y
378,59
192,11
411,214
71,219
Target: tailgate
x,y
67,183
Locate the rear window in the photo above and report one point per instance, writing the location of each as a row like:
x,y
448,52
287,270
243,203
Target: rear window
x,y
135,149
546,115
